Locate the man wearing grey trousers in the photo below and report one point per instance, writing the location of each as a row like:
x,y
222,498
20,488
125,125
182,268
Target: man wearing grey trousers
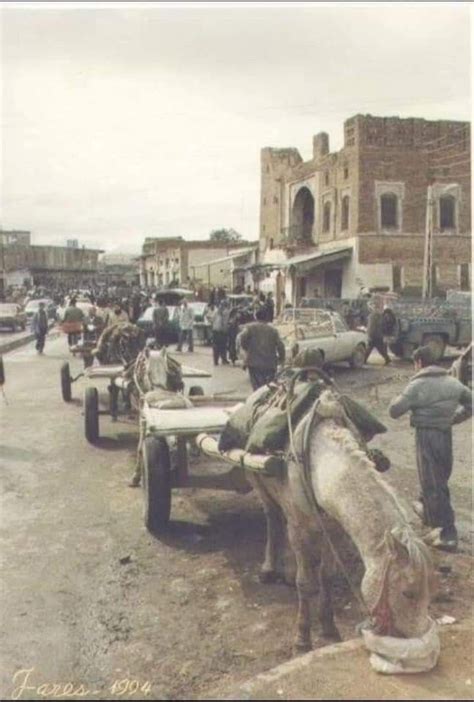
x,y
436,402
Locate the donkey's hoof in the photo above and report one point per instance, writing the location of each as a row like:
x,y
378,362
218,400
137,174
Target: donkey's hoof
x,y
300,647
268,577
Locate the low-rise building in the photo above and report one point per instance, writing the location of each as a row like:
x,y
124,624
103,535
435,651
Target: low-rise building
x,y
49,266
166,260
356,218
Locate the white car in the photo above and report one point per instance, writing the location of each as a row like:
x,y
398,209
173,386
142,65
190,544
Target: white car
x,y
324,331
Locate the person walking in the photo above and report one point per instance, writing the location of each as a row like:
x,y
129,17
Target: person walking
x,y
263,349
74,316
39,327
375,335
270,307
161,318
220,330
186,326
235,318
436,401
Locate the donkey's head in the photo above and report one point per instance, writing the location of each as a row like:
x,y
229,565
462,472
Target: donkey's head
x,y
398,591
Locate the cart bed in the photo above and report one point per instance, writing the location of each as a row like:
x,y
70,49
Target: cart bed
x,y
185,422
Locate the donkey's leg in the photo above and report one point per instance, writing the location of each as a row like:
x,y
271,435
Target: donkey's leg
x,y
326,614
305,585
269,570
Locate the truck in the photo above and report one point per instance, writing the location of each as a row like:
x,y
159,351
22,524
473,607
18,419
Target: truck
x,y
433,322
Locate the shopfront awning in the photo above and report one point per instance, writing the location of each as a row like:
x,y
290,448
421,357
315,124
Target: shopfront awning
x,y
306,262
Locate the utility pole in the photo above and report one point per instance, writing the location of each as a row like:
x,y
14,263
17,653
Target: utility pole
x,y
428,255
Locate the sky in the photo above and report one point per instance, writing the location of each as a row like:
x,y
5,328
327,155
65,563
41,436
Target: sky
x,y
125,122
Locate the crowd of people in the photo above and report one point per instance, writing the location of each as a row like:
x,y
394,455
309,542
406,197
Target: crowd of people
x,y
241,326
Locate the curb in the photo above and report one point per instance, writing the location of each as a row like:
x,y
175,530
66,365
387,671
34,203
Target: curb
x,y
24,340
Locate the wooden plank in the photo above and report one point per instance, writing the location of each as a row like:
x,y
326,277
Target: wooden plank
x,y
269,465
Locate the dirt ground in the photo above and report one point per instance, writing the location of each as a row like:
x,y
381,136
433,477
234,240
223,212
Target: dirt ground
x,y
92,599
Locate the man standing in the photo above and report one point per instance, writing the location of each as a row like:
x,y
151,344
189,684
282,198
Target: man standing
x,y
436,401
220,330
263,350
39,327
375,335
74,317
161,318
186,324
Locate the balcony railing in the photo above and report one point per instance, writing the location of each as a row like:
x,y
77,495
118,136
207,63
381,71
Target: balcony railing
x,y
296,235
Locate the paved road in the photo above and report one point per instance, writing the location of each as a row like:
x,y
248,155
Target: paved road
x,y
89,597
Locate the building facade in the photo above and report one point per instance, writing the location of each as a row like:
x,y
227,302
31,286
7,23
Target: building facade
x,y
356,218
50,266
168,260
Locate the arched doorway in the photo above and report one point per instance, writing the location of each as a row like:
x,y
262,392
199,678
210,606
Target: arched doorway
x,y
302,216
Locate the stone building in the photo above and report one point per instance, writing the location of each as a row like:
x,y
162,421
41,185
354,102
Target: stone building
x,y
51,266
356,218
165,260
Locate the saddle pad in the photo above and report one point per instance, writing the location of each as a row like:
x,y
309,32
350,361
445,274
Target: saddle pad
x,y
195,420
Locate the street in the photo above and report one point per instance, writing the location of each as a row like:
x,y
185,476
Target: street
x,y
92,600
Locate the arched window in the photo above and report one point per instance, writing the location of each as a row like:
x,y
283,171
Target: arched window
x,y
327,217
389,211
447,212
345,213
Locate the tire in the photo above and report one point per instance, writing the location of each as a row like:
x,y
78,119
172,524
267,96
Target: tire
x,y
437,344
156,484
357,359
91,415
195,391
66,382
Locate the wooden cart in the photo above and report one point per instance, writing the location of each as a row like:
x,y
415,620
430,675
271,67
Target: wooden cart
x,y
164,458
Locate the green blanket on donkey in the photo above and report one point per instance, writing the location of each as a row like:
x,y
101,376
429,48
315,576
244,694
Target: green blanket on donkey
x,y
261,424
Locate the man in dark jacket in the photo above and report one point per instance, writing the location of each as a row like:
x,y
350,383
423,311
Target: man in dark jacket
x,y
375,335
39,327
161,318
436,401
263,349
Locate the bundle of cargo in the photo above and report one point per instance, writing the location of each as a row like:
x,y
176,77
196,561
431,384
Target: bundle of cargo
x,y
119,343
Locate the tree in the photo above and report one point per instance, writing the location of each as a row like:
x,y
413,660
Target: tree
x,y
225,235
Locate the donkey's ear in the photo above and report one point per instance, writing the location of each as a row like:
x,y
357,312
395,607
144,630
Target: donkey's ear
x,y
395,546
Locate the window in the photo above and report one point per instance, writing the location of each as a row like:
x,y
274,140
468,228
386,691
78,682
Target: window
x,y
464,275
396,278
176,260
275,200
345,213
271,244
326,178
388,211
327,217
339,325
346,172
447,212
264,200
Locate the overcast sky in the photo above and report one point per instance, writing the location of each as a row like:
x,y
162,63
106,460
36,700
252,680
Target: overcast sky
x,y
121,123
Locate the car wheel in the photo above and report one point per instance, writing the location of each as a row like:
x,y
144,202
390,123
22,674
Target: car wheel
x,y
357,360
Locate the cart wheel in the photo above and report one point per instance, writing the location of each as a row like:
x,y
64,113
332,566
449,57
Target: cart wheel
x,y
156,484
66,382
91,414
195,390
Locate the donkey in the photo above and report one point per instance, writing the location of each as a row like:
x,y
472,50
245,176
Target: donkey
x,y
341,488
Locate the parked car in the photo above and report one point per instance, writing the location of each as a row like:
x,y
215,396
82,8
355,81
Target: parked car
x,y
33,306
323,331
12,316
145,322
